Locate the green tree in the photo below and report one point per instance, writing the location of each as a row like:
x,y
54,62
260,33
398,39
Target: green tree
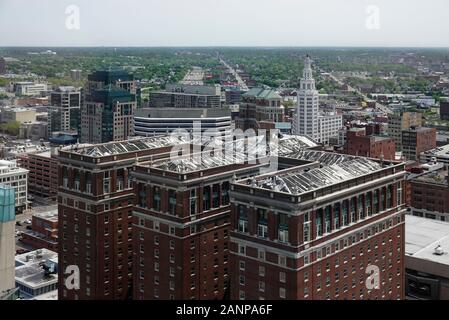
x,y
11,127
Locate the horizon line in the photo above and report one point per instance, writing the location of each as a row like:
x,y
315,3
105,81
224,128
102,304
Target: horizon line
x,y
229,46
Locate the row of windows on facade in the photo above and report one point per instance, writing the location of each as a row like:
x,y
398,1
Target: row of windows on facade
x,y
193,228
317,281
349,241
14,178
353,239
193,255
344,212
282,293
120,185
106,207
213,196
156,278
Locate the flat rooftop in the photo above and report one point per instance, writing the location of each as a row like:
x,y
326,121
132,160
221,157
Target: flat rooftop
x,y
423,235
298,182
29,271
442,151
51,215
435,177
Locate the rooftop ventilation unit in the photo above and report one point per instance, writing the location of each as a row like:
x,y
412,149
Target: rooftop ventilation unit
x,y
438,251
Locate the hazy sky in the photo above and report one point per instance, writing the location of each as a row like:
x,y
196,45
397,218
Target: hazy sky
x,y
225,23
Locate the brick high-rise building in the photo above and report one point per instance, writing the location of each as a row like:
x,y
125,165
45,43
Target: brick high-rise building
x,y
315,230
417,140
96,200
360,144
181,225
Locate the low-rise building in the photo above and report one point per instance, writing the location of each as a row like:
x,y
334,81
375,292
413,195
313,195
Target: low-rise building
x,y
44,230
37,274
35,131
19,114
439,154
417,140
28,88
360,144
43,173
430,194
426,259
15,177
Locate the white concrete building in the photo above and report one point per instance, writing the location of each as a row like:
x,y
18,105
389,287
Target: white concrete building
x,y
17,178
28,88
305,120
329,126
163,121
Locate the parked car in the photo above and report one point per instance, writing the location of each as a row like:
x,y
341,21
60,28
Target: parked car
x,y
22,251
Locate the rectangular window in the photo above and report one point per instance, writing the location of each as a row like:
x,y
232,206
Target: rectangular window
x,y
156,199
282,293
225,193
262,223
206,198
282,277
192,201
215,196
283,228
262,230
243,219
172,202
